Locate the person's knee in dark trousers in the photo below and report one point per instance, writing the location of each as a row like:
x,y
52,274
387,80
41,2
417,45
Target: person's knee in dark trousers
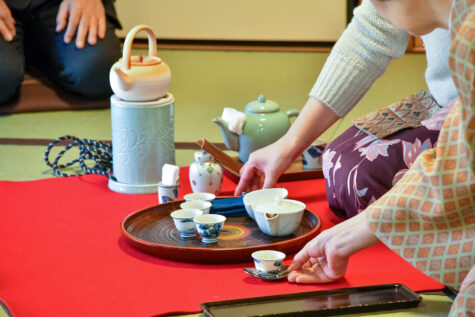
x,y
11,71
10,81
86,72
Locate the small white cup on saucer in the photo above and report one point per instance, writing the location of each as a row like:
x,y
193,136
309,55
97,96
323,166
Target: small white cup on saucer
x,y
205,206
209,226
268,262
183,219
200,196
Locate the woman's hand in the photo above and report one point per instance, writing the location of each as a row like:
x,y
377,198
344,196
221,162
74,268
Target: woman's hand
x,y
271,160
274,159
7,22
468,281
87,17
325,258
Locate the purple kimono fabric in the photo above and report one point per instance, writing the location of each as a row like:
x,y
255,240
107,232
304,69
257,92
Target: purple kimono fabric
x,y
359,168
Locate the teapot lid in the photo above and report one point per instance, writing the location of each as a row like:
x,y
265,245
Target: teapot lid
x,y
262,105
203,157
139,60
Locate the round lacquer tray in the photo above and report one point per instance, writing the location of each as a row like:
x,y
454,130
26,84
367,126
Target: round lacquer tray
x,y
152,230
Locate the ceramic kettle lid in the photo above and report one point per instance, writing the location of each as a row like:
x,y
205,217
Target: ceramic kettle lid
x,y
262,105
140,60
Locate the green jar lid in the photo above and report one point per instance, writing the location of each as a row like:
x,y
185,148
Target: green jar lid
x,y
261,105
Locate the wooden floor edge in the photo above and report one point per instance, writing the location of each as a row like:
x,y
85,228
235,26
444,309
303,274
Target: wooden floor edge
x,y
46,142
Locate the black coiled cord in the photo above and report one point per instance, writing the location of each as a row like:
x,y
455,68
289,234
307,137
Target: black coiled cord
x,y
97,151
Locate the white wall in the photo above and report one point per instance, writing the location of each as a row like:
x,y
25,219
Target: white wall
x,y
261,20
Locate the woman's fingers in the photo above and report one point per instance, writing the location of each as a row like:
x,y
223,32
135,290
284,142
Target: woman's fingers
x,y
247,174
310,275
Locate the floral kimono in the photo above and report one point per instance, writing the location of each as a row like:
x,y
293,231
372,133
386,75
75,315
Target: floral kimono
x,y
428,217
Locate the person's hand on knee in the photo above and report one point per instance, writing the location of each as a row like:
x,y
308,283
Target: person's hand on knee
x,y
85,18
7,22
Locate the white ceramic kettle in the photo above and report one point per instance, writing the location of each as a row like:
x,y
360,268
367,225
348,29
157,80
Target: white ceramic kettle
x,y
140,78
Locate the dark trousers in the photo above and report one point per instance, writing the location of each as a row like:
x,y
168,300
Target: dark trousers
x,y
84,72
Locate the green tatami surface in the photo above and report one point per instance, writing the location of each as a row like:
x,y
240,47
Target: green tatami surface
x,y
203,83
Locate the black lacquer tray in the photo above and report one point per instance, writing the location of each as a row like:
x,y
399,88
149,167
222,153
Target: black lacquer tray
x,y
320,303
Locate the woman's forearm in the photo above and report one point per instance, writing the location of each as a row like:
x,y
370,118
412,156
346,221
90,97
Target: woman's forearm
x,y
314,119
353,236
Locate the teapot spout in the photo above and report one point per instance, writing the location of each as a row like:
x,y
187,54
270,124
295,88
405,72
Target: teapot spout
x,y
125,81
231,139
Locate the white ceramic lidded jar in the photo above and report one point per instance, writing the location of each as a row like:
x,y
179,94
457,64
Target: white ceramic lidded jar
x,y
206,175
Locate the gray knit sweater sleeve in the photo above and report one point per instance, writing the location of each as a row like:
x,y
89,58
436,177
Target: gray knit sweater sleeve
x,y
358,58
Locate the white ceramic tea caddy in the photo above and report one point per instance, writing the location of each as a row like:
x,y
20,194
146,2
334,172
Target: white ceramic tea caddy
x,y
279,218
206,175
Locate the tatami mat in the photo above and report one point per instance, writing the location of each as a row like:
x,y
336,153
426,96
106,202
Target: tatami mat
x,y
203,82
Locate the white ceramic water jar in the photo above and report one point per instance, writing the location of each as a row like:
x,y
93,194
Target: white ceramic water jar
x,y
206,175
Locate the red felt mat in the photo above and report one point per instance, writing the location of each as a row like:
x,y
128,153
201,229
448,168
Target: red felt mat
x,y
62,254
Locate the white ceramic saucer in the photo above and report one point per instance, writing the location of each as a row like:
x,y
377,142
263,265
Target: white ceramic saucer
x,y
284,271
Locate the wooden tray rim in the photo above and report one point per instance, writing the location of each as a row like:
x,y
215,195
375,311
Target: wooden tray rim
x,y
205,250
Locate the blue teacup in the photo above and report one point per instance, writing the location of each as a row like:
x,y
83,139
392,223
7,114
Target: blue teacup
x,y
209,226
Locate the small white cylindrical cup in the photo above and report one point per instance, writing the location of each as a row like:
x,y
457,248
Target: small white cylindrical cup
x,y
167,192
205,206
268,262
183,219
209,227
312,156
200,196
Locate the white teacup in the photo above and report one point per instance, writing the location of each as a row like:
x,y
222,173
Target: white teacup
x,y
205,206
279,218
312,156
200,196
209,226
262,196
268,262
167,193
183,219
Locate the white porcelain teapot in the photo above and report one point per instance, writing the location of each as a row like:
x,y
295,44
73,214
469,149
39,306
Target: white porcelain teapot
x,y
140,78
